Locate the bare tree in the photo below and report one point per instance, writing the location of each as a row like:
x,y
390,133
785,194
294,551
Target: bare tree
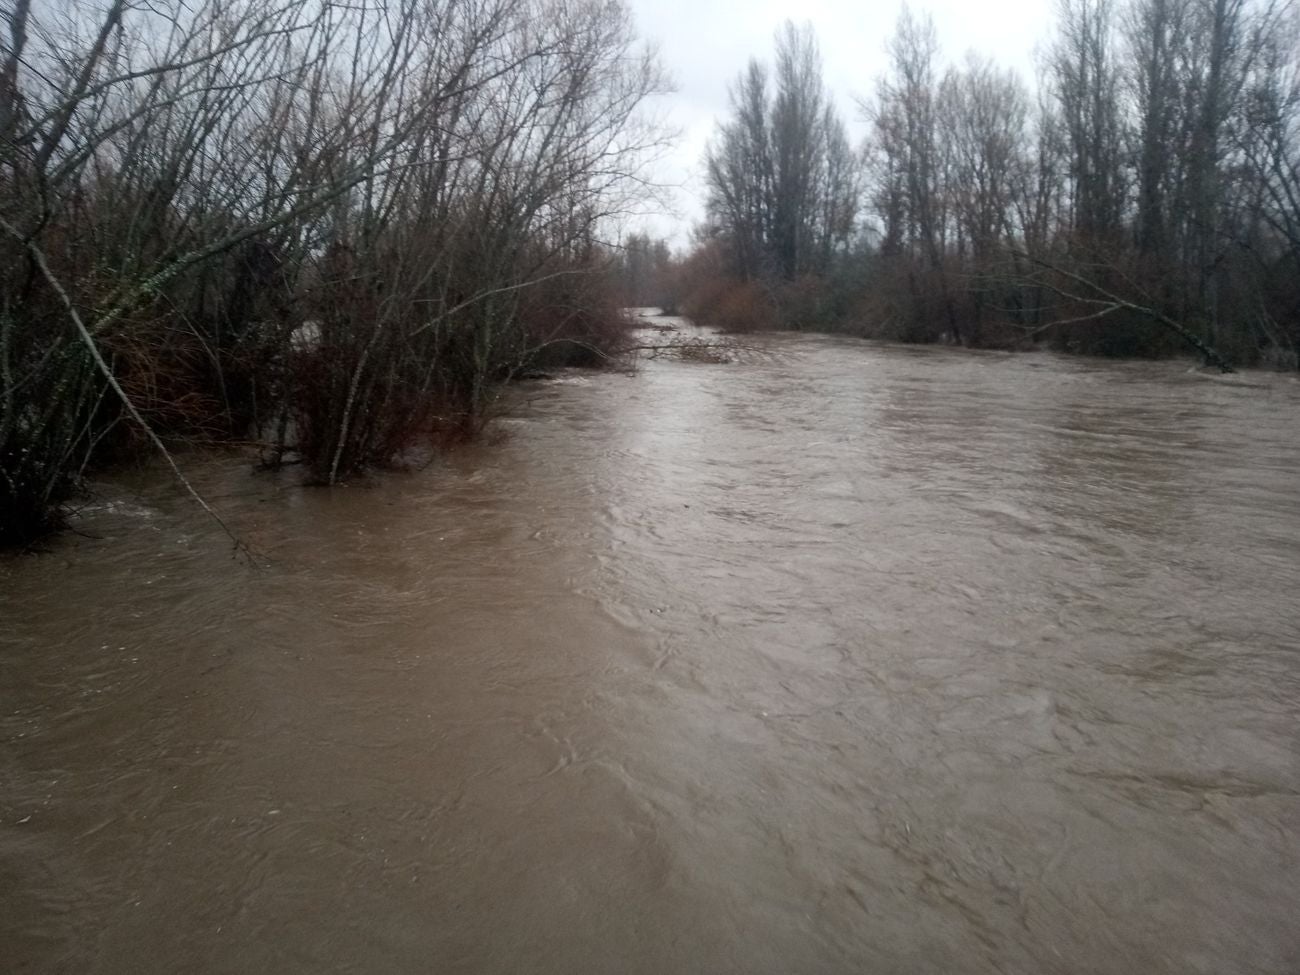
x,y
1085,83
782,177
313,219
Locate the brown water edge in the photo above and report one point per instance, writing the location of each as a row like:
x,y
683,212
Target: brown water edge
x,y
854,659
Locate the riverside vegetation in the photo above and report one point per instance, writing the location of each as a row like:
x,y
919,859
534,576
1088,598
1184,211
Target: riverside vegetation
x,y
328,229
1143,198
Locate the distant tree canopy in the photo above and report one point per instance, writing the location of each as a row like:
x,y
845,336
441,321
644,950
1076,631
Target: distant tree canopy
x,y
1152,181
646,273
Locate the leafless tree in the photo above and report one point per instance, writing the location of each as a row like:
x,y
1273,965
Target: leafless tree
x,y
309,221
782,177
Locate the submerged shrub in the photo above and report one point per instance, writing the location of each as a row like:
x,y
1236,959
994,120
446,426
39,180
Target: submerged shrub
x,y
333,247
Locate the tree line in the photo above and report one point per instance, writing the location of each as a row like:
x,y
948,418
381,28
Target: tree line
x,y
324,228
1144,197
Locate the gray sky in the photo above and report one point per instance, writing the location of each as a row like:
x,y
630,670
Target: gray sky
x,y
705,43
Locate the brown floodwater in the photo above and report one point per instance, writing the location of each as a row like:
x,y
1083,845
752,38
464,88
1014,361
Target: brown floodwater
x,y
846,658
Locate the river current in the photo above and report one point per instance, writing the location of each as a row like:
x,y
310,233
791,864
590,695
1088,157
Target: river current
x,y
838,658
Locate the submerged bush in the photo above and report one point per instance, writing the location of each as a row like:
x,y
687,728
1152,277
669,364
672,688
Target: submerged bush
x,y
223,222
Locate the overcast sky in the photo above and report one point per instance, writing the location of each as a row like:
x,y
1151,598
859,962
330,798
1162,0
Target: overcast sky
x,y
705,43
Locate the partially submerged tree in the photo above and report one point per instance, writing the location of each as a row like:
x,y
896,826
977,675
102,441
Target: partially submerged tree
x,y
325,226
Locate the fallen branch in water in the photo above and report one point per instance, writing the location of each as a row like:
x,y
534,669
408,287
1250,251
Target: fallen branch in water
x,y
1106,303
719,351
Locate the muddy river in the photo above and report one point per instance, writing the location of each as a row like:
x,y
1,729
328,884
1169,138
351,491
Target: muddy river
x,y
841,658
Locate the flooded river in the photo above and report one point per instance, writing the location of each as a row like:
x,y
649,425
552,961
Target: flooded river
x,y
845,658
